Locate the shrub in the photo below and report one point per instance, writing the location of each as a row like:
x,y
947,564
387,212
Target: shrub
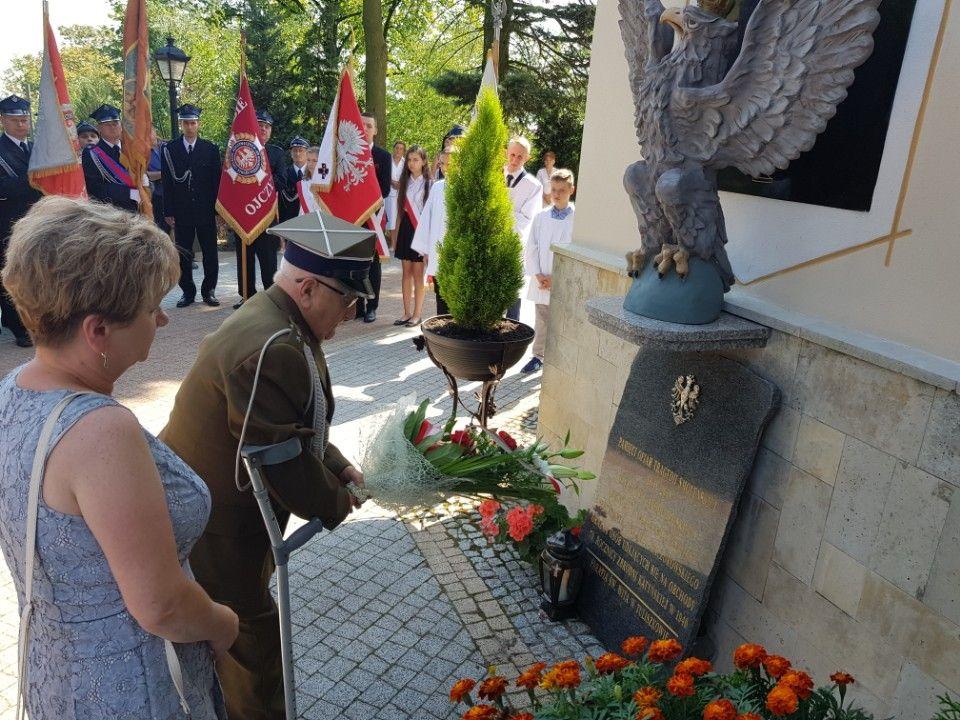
x,y
480,266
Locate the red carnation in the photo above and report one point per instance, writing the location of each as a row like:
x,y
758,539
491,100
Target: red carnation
x,y
507,439
462,438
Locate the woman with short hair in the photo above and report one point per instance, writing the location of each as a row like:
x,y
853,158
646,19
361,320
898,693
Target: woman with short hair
x,y
116,627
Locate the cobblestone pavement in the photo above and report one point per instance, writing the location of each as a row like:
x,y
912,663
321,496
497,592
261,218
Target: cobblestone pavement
x,y
387,612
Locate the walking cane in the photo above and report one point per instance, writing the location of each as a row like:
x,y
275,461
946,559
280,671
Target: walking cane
x,y
255,458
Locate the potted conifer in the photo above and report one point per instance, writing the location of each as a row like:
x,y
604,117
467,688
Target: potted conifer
x,y
480,263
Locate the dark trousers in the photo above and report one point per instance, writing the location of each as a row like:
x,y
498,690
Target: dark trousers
x,y
442,308
9,316
158,219
206,235
264,249
514,312
365,306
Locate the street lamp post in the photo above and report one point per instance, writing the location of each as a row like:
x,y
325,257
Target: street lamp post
x,y
172,64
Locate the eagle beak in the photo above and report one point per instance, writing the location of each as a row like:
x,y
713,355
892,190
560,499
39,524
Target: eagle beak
x,y
674,18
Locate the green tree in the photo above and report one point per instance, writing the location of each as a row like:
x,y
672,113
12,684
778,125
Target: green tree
x,y
480,254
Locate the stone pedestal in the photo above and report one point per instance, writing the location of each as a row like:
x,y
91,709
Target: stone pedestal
x,y
681,447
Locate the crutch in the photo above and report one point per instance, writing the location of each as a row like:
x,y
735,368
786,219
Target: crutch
x,y
255,458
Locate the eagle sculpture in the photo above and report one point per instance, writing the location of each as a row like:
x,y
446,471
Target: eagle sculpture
x,y
702,107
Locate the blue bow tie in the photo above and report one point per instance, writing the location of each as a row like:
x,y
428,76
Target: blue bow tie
x,y
560,214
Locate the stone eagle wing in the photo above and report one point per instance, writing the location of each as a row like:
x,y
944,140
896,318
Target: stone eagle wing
x,y
794,68
646,41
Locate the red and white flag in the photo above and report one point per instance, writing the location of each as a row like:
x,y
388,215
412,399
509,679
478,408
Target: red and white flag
x,y
345,180
247,199
55,167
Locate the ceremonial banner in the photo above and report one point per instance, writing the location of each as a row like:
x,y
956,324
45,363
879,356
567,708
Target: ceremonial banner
x,y
247,199
55,167
137,119
345,181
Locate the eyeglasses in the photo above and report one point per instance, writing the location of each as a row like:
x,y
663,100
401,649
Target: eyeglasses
x,y
348,298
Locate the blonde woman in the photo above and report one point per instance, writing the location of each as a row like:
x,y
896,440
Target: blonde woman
x,y
116,626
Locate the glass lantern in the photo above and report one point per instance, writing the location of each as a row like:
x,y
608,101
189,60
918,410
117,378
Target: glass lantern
x,y
561,573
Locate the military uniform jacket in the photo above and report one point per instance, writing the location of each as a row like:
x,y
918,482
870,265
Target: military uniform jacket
x,y
278,167
290,197
101,188
204,426
190,182
16,195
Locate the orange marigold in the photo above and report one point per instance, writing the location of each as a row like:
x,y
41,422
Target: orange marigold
x,y
647,696
650,713
634,645
522,716
749,656
782,701
721,709
748,716
492,687
564,675
694,666
776,665
531,677
610,663
799,682
842,678
681,685
664,651
460,689
481,712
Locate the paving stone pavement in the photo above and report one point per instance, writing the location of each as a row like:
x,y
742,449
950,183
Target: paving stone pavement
x,y
387,612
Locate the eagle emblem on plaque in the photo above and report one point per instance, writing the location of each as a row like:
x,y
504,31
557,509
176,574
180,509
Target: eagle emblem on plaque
x,y
245,159
686,398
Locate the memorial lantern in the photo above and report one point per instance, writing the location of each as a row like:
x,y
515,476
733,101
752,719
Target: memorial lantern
x,y
561,573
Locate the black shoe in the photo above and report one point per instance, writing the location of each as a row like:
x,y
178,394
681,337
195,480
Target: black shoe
x,y
184,302
401,321
211,300
370,317
532,366
237,306
24,341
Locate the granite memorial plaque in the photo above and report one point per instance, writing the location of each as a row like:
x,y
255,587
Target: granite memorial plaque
x,y
680,450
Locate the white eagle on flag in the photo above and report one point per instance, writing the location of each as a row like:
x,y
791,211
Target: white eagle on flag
x,y
351,146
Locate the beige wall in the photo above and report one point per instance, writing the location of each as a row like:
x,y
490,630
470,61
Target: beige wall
x,y
914,301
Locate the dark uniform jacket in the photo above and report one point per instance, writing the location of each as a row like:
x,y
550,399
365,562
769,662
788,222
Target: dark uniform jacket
x,y
100,187
16,195
278,166
382,162
192,201
289,198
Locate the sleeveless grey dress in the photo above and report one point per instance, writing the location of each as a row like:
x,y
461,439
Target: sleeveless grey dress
x,y
88,658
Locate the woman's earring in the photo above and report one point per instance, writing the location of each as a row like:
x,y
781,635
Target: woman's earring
x,y
104,356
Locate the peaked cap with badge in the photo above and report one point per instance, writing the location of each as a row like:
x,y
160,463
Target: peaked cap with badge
x,y
189,112
298,141
14,105
106,113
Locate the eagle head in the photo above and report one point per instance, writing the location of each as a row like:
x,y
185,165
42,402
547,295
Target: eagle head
x,y
703,40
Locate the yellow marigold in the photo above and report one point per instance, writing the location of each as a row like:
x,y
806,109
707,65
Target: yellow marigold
x,y
634,645
650,713
492,687
782,701
481,712
563,676
721,709
749,656
460,689
842,678
647,696
748,716
664,651
681,685
610,663
694,666
531,677
776,665
799,682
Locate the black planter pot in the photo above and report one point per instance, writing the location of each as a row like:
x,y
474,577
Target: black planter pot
x,y
469,359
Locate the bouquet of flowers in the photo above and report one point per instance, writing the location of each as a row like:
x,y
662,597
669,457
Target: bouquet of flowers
x,y
410,463
647,683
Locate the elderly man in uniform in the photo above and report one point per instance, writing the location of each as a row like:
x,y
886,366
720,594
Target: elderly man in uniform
x,y
190,174
316,288
106,177
263,248
16,194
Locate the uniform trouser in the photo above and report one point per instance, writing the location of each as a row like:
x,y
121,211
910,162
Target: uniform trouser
x,y
236,571
364,306
540,330
513,313
442,308
206,235
8,313
264,249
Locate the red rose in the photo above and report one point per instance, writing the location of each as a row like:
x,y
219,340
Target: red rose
x,y
462,438
507,439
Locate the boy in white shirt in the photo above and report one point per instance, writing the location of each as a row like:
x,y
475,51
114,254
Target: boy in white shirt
x,y
552,226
